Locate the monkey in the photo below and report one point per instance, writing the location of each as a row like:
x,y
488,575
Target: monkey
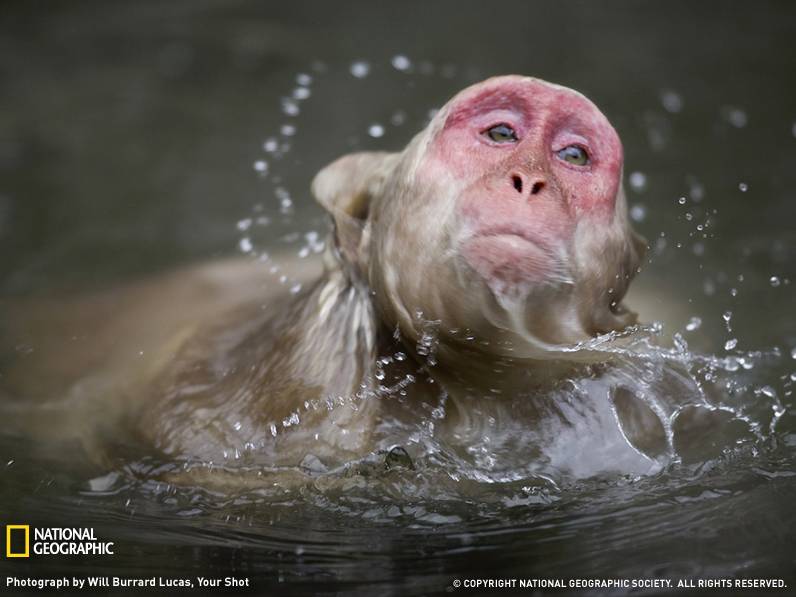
x,y
465,287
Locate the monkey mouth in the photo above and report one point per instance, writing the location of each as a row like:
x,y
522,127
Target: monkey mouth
x,y
508,258
513,237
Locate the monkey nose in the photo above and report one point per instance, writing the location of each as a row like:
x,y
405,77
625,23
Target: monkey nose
x,y
537,183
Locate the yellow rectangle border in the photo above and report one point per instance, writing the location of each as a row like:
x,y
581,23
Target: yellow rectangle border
x,y
17,527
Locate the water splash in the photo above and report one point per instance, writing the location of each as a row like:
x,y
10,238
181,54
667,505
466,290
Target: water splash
x,y
721,384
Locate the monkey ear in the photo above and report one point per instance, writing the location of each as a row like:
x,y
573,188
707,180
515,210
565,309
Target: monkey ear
x,y
345,188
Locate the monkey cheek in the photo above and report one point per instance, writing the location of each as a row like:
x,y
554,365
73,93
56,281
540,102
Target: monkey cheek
x,y
508,263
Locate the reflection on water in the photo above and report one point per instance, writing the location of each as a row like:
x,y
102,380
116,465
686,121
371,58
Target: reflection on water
x,y
509,501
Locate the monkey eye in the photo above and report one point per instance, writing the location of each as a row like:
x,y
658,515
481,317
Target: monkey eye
x,y
574,154
501,133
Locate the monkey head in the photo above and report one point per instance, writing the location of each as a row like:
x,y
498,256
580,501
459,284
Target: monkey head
x,y
504,219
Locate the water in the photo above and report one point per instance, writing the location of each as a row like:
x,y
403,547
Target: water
x,y
134,140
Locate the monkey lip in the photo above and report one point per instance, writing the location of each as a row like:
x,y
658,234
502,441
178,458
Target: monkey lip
x,y
510,256
516,237
511,236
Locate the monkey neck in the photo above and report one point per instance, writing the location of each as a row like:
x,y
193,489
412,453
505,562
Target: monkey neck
x,y
348,326
460,369
313,364
336,327
476,371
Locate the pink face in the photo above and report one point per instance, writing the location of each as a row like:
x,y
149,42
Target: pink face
x,y
533,161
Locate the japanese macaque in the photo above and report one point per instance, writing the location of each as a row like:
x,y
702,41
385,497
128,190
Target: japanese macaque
x,y
462,277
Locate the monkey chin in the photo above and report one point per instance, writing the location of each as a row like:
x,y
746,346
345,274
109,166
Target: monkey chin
x,y
524,289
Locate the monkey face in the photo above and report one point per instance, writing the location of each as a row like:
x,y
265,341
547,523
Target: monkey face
x,y
505,216
531,162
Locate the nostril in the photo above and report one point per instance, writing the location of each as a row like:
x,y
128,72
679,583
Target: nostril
x,y
537,186
517,181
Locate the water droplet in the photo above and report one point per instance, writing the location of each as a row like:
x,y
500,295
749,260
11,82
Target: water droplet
x,y
376,130
743,187
727,316
288,130
295,289
245,244
301,93
271,145
379,374
696,191
426,68
290,107
693,324
698,249
793,130
261,166
237,426
244,224
360,69
303,79
293,419
730,344
273,429
768,391
680,343
774,281
399,356
793,353
285,202
681,200
638,213
448,71
638,181
735,116
398,118
401,62
671,100
709,287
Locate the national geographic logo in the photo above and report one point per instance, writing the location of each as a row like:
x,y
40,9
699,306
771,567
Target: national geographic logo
x,y
17,540
54,541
